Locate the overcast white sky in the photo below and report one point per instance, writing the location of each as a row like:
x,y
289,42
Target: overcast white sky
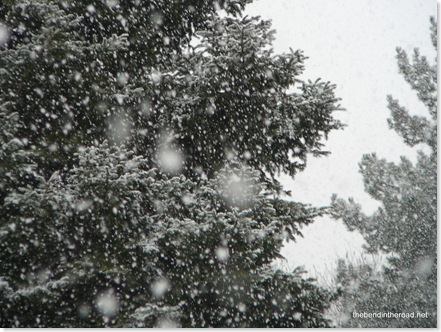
x,y
352,44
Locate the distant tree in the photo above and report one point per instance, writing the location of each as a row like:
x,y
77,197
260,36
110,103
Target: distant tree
x,y
138,151
405,226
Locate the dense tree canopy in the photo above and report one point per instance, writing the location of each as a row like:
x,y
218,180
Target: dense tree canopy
x,y
405,226
138,151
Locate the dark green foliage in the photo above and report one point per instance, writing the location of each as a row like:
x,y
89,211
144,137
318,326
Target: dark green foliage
x,y
116,226
139,144
237,104
86,72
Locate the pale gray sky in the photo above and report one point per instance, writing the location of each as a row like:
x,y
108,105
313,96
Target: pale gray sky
x,y
352,44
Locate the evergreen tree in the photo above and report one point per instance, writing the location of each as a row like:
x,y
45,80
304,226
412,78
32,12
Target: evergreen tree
x,y
405,225
138,149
